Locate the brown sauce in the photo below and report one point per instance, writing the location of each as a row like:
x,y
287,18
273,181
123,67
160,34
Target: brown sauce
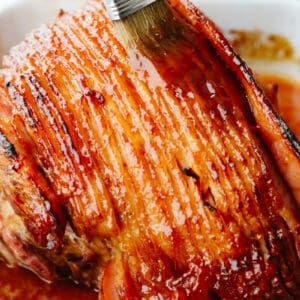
x,y
19,284
256,44
285,95
284,92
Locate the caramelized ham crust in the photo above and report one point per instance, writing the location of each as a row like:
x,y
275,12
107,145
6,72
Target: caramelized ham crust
x,y
162,171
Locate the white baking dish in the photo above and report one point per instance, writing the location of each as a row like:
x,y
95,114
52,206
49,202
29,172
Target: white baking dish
x,y
269,16
17,17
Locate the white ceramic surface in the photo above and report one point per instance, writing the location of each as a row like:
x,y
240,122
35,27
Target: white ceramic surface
x,y
270,16
17,17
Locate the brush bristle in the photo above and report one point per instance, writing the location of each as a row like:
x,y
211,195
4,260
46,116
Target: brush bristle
x,y
147,26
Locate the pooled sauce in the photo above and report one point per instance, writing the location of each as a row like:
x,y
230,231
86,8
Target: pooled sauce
x,y
256,44
283,92
285,95
19,284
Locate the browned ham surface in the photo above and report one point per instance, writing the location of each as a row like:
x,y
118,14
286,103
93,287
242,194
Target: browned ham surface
x,y
155,172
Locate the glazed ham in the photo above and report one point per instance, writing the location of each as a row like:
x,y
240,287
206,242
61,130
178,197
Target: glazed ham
x,y
154,172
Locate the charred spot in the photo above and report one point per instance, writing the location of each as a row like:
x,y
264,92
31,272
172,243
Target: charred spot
x,y
71,257
8,84
41,171
62,272
209,206
31,79
213,295
287,133
86,266
8,147
272,258
209,200
191,173
35,87
67,215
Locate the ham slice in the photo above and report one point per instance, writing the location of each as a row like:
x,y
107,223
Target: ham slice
x,y
154,172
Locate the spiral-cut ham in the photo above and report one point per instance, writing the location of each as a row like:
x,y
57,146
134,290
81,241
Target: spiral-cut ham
x,y
152,172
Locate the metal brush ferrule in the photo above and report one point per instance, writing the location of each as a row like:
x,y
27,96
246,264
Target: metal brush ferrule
x,y
120,9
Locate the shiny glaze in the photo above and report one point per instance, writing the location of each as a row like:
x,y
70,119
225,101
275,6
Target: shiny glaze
x,y
158,152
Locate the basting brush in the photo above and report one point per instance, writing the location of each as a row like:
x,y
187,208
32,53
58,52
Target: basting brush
x,y
142,21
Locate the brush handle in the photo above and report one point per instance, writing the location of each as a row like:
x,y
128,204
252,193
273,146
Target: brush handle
x,y
120,9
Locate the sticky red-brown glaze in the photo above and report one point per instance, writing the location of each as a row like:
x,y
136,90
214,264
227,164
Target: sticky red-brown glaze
x,y
162,158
